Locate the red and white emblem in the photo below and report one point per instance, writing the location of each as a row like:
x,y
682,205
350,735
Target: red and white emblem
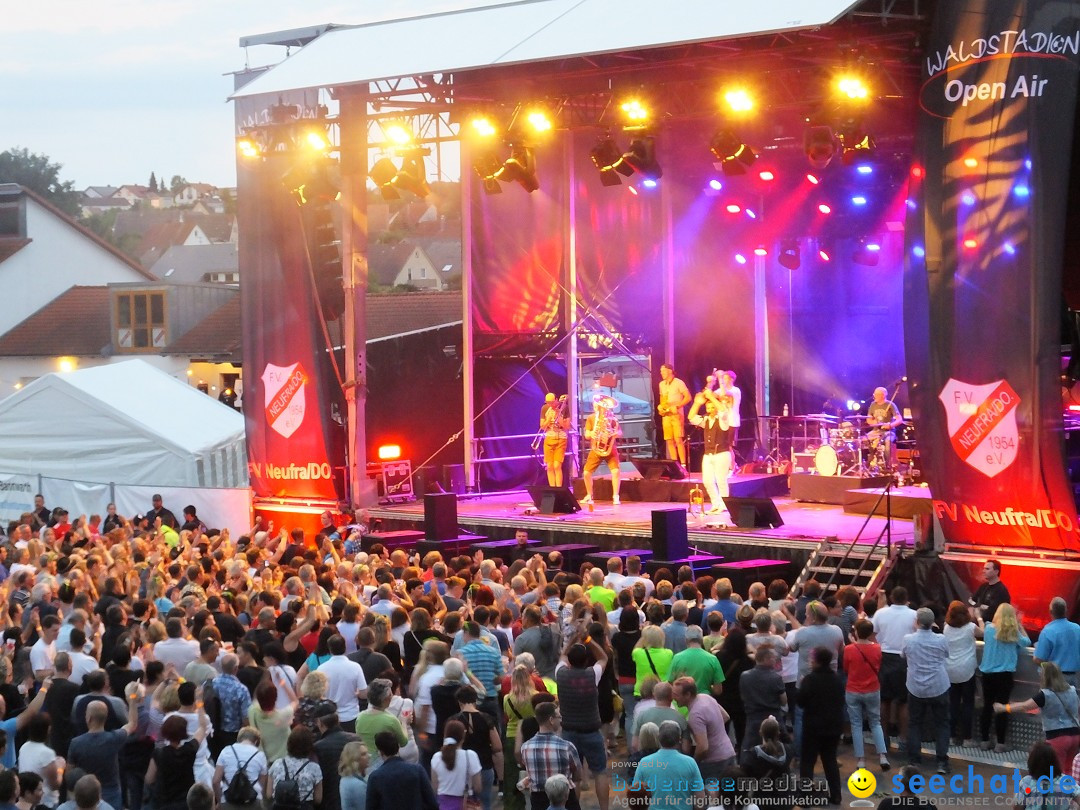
x,y
283,389
982,423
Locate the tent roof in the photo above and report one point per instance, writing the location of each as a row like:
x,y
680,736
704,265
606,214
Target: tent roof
x,y
150,401
529,31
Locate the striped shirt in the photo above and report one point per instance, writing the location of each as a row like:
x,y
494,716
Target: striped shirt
x,y
485,662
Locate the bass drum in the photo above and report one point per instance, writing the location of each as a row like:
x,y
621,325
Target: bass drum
x,y
826,461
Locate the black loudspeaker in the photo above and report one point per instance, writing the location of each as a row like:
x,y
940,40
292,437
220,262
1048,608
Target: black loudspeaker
x,y
440,516
656,468
753,513
669,540
550,500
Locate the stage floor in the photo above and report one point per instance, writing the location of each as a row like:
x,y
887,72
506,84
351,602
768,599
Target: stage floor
x,y
630,525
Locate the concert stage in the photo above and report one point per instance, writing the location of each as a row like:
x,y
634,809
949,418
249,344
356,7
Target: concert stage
x,y
609,528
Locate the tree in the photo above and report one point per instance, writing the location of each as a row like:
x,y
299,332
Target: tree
x,y
177,183
153,182
40,175
104,225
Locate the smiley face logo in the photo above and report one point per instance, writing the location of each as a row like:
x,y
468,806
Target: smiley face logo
x,y
862,783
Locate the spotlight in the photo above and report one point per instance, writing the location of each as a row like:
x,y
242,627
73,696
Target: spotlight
x,y
483,127
738,100
607,157
761,251
248,148
316,140
813,179
820,146
971,163
918,251
867,252
1009,248
967,198
735,157
716,185
520,168
411,177
971,243
382,174
824,255
641,157
740,258
865,168
824,208
766,175
1021,191
636,112
790,256
858,199
852,87
398,133
859,146
733,208
648,183
538,121
487,167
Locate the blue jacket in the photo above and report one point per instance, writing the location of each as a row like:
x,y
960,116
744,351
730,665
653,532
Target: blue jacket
x,y
397,784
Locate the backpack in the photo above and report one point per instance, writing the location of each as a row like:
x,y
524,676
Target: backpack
x,y
240,789
287,791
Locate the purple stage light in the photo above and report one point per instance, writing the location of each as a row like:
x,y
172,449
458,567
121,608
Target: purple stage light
x,y
918,251
873,247
823,208
715,185
751,214
1009,248
864,169
760,251
740,258
648,183
824,255
858,200
967,198
813,179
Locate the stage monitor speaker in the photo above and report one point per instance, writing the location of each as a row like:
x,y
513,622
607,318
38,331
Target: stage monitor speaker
x,y
440,516
550,500
669,538
753,513
657,468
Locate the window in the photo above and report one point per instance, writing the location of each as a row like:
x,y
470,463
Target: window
x,y
140,320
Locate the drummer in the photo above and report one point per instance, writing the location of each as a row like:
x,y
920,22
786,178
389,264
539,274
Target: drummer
x,y
883,417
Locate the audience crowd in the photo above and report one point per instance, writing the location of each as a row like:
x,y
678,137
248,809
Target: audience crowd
x,y
153,662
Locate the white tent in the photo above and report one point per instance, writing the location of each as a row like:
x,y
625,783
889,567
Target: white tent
x,y
126,423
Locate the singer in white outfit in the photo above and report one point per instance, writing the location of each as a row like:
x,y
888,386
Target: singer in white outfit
x,y
719,434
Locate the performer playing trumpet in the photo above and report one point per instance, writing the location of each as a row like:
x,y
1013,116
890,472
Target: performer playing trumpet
x,y
602,429
674,396
554,421
716,463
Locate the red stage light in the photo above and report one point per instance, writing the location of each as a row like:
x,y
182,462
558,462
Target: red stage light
x,y
389,452
824,209
632,190
813,178
760,251
917,171
970,243
766,175
733,208
824,256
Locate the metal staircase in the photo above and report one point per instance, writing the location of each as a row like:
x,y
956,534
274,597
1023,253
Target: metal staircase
x,y
865,566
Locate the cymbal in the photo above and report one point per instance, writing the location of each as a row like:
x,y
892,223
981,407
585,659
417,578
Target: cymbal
x,y
822,417
857,417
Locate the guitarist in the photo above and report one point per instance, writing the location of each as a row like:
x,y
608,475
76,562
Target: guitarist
x,y
554,421
602,429
674,396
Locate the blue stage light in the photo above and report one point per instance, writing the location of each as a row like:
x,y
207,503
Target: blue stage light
x,y
864,169
1027,164
648,183
873,247
967,198
1009,248
858,200
918,251
1021,191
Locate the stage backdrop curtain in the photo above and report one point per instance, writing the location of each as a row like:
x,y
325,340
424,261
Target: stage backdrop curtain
x,y
519,391
983,273
518,256
293,405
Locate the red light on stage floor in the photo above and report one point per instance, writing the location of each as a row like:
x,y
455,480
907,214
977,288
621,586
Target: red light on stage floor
x,y
733,208
389,452
824,209
766,175
971,243
813,179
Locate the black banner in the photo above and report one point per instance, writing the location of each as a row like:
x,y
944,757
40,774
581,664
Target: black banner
x,y
983,268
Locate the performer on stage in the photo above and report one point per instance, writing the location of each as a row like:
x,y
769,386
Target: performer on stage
x,y
602,429
884,417
716,463
728,388
674,396
554,421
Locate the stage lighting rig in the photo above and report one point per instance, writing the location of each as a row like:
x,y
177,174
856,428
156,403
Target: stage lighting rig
x,y
867,252
608,159
411,177
520,168
731,152
641,158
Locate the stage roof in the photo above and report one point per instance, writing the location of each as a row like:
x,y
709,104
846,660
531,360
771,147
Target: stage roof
x,y
526,32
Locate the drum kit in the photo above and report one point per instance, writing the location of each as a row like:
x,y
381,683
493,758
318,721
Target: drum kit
x,y
845,450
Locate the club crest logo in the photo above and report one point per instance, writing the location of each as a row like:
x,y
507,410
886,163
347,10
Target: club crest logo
x,y
982,423
283,389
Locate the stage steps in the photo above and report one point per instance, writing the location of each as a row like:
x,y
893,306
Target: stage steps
x,y
864,567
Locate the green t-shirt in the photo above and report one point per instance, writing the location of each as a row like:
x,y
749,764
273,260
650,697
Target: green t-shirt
x,y
699,664
605,596
658,714
661,660
371,721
